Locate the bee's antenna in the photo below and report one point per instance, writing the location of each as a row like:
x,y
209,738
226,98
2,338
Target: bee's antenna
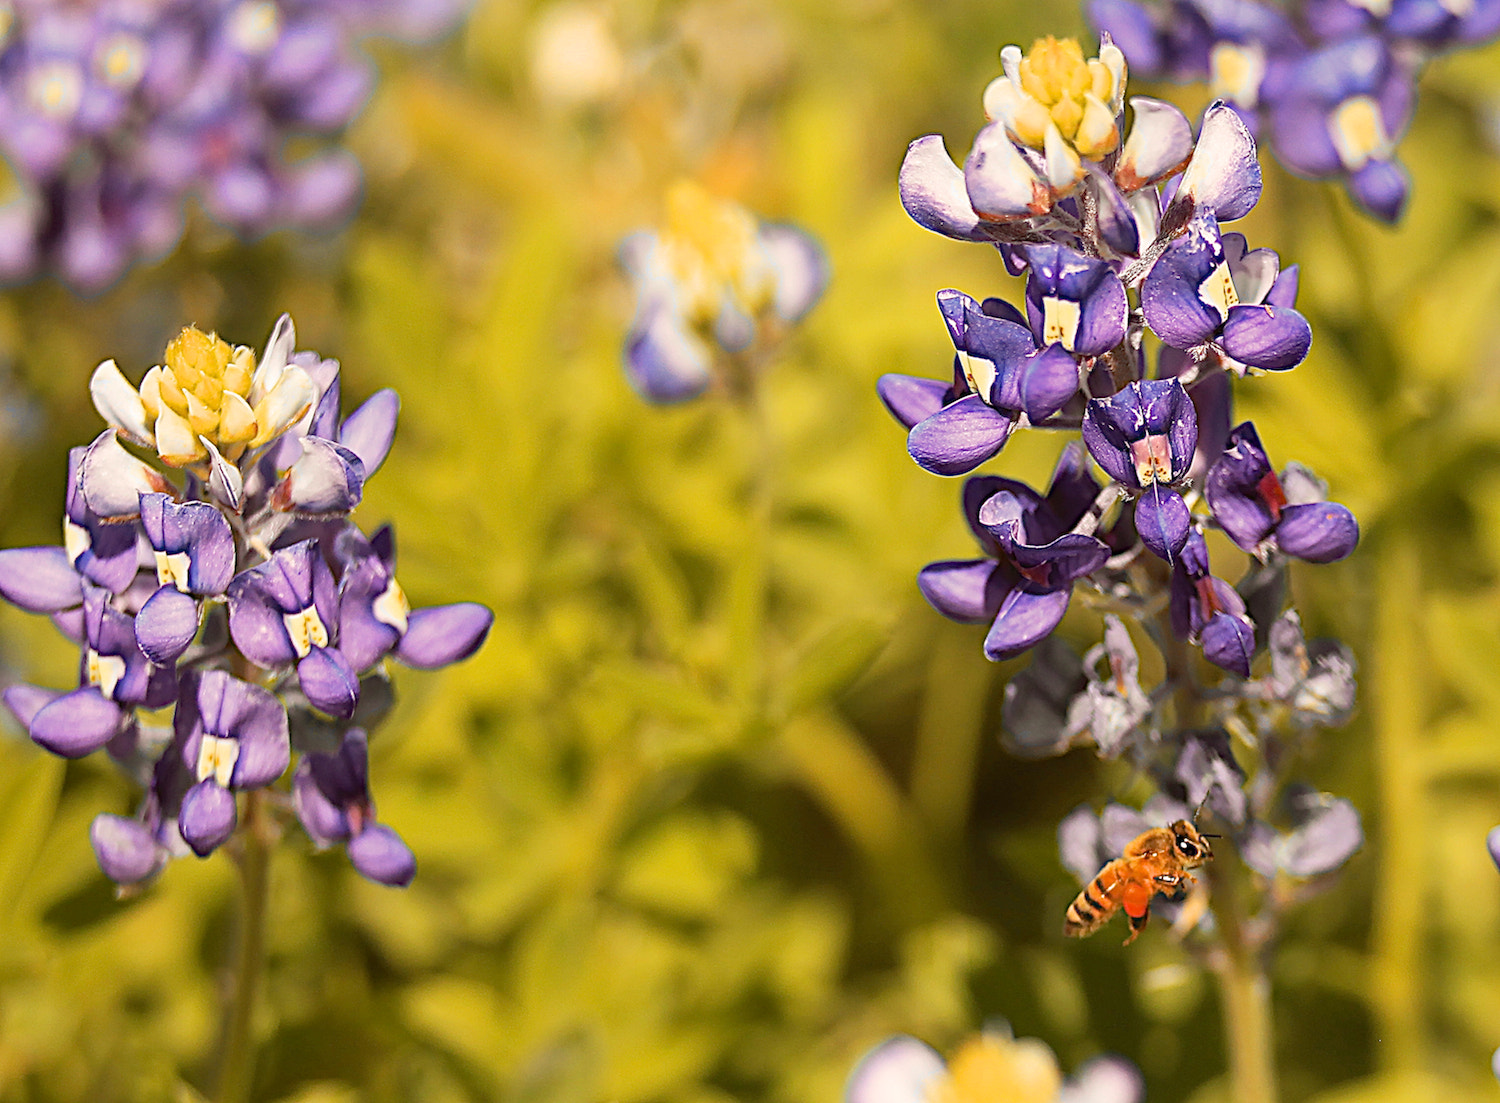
x,y
1199,810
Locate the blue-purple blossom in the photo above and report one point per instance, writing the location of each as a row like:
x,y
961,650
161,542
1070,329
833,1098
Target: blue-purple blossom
x,y
1252,506
112,114
1032,559
331,793
1144,437
713,285
230,586
1208,611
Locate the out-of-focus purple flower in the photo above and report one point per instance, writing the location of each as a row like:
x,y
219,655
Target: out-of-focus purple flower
x,y
1492,840
1325,832
712,284
902,1069
331,793
133,850
1253,507
1208,294
1208,611
1032,557
113,113
1144,436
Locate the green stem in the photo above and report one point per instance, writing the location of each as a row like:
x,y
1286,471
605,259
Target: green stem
x,y
1244,993
237,1053
750,580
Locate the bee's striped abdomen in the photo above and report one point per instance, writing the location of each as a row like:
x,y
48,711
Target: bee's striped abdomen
x,y
1092,907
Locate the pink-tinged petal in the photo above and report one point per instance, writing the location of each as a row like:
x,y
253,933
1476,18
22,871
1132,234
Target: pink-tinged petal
x,y
329,682
1319,532
898,1070
77,723
801,269
959,437
933,192
378,854
1026,618
39,579
25,701
1270,337
113,480
126,850
369,430
1159,143
443,634
909,398
166,625
969,590
1223,173
1000,182
1105,1079
208,817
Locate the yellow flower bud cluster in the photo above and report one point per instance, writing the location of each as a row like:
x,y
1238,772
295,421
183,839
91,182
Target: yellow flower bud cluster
x,y
207,395
712,249
992,1066
1054,95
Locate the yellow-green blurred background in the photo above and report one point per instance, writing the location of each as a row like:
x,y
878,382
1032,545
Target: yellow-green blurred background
x,y
679,844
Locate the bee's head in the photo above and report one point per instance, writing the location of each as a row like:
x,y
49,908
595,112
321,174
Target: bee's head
x,y
1191,846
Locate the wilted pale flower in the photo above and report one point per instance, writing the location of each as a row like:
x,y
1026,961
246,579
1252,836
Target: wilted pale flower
x,y
233,589
712,285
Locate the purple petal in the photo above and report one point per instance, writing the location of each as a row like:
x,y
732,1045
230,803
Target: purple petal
x,y
369,430
1162,520
1319,532
166,625
959,437
909,398
1117,224
443,634
77,723
1173,294
232,708
1026,618
324,822
1284,291
1066,559
25,701
329,682
1229,643
968,590
933,191
665,362
1381,188
39,579
801,269
380,855
1270,337
1328,834
208,817
898,1070
1048,381
328,480
1492,841
127,851
197,530
366,633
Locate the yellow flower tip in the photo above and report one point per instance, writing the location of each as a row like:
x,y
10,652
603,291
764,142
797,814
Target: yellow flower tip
x,y
713,249
193,353
991,1066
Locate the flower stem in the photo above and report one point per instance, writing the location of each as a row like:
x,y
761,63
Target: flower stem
x,y
1245,995
237,1051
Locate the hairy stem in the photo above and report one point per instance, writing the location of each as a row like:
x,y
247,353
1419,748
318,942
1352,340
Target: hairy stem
x,y
237,1048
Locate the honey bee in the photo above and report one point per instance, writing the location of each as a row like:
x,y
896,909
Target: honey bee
x,y
1155,862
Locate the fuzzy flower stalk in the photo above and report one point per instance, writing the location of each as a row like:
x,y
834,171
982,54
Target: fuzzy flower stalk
x,y
1139,314
231,619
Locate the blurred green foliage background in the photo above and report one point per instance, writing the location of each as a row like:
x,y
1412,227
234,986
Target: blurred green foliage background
x,y
721,803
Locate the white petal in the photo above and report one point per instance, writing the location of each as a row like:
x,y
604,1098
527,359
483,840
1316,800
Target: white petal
x,y
224,479
293,396
113,480
1160,140
176,443
1224,173
1064,169
1000,181
119,403
278,348
801,269
899,1070
933,193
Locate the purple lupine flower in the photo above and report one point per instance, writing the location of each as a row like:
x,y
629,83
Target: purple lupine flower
x,y
113,113
194,549
1253,507
1325,833
233,736
1208,611
1208,293
331,793
1341,113
1023,585
131,850
902,1069
1433,24
1144,437
285,613
1003,370
713,284
1073,300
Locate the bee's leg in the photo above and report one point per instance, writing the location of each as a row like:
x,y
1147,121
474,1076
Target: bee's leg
x,y
1137,925
1137,904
